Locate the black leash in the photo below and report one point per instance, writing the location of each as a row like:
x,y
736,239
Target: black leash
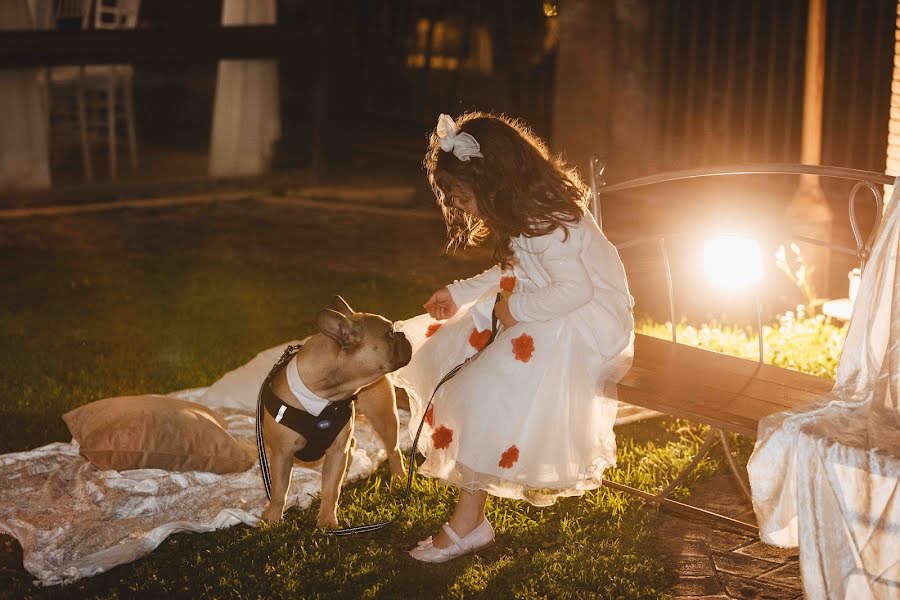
x,y
260,446
411,469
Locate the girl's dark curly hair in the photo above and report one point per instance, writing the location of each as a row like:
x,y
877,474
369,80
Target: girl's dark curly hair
x,y
519,187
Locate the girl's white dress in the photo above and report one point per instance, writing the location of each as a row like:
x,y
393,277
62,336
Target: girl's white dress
x,y
532,416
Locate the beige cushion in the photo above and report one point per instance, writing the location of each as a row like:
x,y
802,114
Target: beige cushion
x,y
155,432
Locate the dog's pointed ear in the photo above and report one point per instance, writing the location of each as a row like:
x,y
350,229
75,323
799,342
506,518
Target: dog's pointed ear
x,y
340,305
338,327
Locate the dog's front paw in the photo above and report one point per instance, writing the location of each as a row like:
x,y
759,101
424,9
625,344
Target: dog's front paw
x,y
327,522
272,514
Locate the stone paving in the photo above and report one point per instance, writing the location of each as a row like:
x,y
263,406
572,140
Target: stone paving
x,y
714,562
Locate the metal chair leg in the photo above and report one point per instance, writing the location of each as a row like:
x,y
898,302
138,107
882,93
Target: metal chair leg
x,y
111,122
735,470
682,508
83,129
661,498
128,95
686,472
48,107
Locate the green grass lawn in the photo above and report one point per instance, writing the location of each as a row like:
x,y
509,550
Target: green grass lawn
x,y
138,301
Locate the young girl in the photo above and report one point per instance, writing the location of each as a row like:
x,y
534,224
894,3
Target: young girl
x,y
531,417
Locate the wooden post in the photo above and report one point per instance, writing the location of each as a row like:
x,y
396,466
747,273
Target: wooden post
x,y
809,213
893,148
631,92
581,112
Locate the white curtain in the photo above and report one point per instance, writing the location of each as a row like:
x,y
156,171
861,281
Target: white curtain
x,y
828,479
246,114
24,142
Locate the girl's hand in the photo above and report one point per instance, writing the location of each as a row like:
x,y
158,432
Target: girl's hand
x,y
441,304
501,309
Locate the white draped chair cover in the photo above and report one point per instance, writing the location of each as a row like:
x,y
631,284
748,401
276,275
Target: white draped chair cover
x,y
24,142
827,479
246,114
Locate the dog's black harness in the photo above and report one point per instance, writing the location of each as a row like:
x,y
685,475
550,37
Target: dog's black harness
x,y
319,431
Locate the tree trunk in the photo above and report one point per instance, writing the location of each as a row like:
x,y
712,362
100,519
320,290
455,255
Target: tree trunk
x,y
893,148
582,103
809,214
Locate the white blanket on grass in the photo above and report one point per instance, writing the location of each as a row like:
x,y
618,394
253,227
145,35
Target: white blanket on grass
x,y
75,521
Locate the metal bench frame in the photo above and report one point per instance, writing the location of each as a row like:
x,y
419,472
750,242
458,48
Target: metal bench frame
x,y
867,180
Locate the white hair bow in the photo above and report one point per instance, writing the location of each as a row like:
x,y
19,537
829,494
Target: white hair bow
x,y
462,145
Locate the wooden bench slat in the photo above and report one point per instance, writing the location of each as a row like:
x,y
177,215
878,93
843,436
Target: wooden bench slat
x,y
721,420
749,369
727,385
703,402
724,391
647,347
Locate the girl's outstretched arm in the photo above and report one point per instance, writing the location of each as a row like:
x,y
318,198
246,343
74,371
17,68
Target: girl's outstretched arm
x,y
570,285
464,291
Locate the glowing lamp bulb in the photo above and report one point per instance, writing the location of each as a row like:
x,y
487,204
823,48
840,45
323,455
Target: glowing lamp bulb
x,y
732,262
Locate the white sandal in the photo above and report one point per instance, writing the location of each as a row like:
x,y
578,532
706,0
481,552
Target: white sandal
x,y
479,537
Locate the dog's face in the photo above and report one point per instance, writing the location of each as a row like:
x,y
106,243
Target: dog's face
x,y
367,345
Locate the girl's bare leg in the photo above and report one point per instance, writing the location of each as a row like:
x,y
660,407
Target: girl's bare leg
x,y
468,515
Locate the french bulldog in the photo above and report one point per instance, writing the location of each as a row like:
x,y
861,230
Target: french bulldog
x,y
351,354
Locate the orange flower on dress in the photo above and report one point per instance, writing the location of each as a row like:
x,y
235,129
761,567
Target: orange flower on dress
x,y
429,417
507,283
509,457
432,328
523,347
442,437
479,339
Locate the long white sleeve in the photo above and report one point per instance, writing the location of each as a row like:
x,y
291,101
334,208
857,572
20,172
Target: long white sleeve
x,y
464,291
570,284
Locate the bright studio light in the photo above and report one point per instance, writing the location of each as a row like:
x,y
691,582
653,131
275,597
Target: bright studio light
x,y
732,262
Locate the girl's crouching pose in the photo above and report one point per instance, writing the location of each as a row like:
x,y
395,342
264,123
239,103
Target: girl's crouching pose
x,y
532,416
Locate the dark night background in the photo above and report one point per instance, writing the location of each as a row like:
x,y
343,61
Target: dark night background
x,y
671,84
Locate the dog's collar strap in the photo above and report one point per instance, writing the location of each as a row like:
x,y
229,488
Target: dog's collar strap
x,y
312,403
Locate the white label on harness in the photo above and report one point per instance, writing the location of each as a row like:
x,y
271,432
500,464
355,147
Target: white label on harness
x,y
280,414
